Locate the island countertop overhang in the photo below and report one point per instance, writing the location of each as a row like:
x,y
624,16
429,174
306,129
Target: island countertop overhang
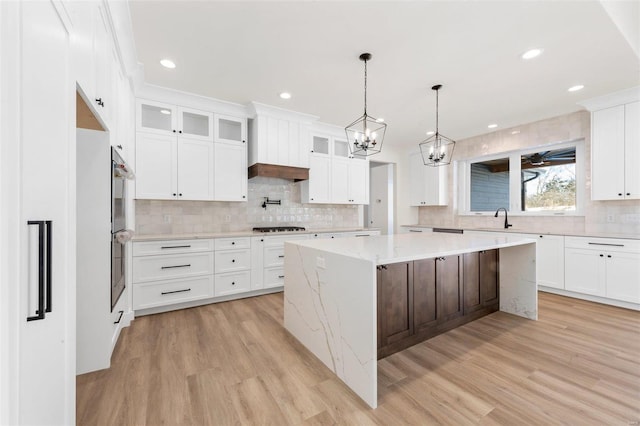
x,y
385,249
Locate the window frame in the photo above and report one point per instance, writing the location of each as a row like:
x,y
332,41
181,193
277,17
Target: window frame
x,y
463,175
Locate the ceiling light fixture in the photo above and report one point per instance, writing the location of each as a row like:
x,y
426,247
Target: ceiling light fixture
x,y
168,63
532,53
285,95
576,88
437,150
492,126
165,112
430,132
365,135
379,120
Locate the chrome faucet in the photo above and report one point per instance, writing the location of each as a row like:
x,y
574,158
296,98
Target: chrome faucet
x,y
506,218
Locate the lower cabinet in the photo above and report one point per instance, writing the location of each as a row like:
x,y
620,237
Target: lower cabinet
x,y
421,299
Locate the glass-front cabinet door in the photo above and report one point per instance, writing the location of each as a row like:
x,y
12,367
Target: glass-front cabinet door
x,y
320,145
230,129
156,117
195,124
341,148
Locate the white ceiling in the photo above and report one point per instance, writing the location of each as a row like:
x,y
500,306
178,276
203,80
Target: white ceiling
x,y
243,51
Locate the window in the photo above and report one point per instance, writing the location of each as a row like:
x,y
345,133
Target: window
x,y
540,180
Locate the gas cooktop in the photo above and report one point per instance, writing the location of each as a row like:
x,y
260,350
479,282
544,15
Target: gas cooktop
x,y
278,229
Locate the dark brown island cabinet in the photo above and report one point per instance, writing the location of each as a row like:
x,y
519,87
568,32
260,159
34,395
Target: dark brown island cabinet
x,y
423,298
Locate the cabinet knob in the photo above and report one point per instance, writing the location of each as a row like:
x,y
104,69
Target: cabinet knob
x,y
233,243
174,131
119,147
261,239
312,199
602,255
244,196
619,194
609,255
233,283
179,131
243,141
174,194
233,261
180,194
628,193
311,150
541,236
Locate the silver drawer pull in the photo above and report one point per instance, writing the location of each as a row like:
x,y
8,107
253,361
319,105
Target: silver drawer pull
x,y
280,276
175,291
174,247
281,256
362,235
176,266
413,230
605,244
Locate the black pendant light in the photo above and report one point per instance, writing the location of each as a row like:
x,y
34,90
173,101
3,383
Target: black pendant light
x,y
437,150
365,135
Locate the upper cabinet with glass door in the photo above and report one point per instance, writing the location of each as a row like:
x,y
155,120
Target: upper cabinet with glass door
x,y
341,148
230,129
161,118
320,145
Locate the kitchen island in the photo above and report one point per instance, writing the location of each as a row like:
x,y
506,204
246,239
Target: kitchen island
x,y
331,292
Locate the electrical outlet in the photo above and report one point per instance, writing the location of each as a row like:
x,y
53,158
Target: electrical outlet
x,y
320,262
610,218
166,218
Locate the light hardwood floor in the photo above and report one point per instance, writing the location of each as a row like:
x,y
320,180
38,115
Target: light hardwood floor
x,y
233,363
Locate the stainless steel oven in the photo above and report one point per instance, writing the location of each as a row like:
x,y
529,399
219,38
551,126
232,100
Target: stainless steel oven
x,y
119,173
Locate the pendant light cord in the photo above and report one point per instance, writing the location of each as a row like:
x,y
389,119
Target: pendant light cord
x,y
437,115
365,87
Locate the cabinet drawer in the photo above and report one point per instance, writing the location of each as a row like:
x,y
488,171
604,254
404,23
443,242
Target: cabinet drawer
x,y
274,256
273,277
278,241
232,243
606,244
235,282
146,248
149,295
154,268
232,260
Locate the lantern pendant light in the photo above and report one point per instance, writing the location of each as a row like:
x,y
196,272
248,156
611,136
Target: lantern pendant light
x,y
437,150
365,135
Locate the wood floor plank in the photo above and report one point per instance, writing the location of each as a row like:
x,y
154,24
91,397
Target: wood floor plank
x,y
234,363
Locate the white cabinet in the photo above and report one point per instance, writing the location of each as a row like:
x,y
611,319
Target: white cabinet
x,y
170,272
279,137
232,266
166,119
177,158
318,188
428,184
549,260
230,129
230,171
603,267
615,153
267,260
37,372
335,177
156,167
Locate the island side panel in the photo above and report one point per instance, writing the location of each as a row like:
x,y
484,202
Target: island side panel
x,y
518,285
331,310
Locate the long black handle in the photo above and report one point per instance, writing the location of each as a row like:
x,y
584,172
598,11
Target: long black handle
x,y
174,247
119,318
175,291
176,266
606,244
44,268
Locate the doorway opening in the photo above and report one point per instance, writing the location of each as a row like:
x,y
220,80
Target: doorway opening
x,y
380,212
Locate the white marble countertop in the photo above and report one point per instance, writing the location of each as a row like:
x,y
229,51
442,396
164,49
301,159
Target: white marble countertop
x,y
394,248
205,235
527,231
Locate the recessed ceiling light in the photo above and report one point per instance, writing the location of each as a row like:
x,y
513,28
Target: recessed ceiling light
x,y
431,132
492,126
576,88
380,120
168,63
285,95
515,132
532,53
165,112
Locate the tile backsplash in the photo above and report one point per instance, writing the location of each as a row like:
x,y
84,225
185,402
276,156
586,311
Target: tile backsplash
x,y
603,217
180,217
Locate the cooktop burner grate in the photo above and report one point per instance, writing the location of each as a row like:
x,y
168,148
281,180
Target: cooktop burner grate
x,y
278,229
